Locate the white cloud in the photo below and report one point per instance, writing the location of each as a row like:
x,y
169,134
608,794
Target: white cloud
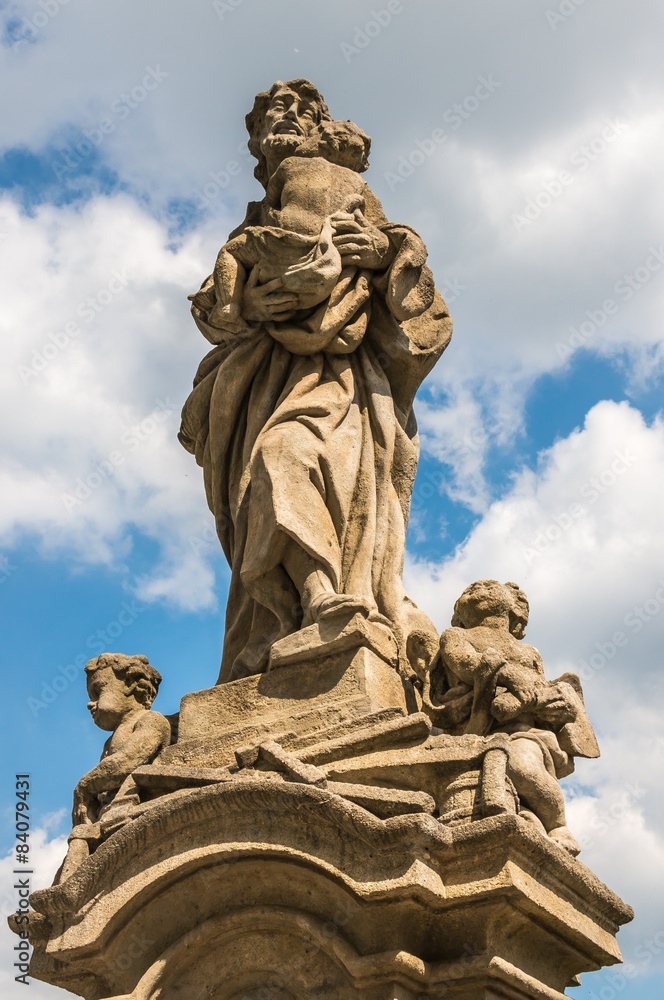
x,y
99,357
456,435
617,815
581,532
584,273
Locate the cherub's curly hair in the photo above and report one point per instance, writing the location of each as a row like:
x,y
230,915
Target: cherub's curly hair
x,y
340,142
136,671
256,117
516,604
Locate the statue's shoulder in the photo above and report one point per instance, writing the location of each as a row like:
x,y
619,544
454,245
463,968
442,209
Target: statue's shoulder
x,y
152,720
454,638
151,729
253,217
373,208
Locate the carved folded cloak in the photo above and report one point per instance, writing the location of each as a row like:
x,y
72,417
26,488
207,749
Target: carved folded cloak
x,y
320,448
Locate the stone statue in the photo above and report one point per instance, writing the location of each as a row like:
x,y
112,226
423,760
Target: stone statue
x,y
121,689
366,810
486,680
325,321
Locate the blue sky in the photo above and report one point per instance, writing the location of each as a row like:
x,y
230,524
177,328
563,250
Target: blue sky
x,y
524,144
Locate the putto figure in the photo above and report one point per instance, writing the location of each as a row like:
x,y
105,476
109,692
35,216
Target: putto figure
x,y
487,680
121,689
325,320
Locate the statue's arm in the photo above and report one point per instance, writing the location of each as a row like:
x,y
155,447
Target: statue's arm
x,y
459,656
411,325
451,688
523,690
151,734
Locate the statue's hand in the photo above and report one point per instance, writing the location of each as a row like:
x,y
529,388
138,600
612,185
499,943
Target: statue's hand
x,y
360,242
268,302
83,801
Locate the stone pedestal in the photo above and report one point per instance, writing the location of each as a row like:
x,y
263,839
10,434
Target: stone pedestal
x,y
259,888
307,837
292,701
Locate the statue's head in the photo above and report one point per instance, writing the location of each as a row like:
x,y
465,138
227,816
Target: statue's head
x,y
119,684
488,598
281,119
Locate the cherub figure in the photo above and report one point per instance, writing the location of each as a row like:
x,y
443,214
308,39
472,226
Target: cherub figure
x,y
121,689
310,197
486,680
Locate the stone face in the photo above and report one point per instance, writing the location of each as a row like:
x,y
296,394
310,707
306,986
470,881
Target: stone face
x,y
325,320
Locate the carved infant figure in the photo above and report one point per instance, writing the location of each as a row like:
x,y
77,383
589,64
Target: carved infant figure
x,y
121,689
486,680
308,198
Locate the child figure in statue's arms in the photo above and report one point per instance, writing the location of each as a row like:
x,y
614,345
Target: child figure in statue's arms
x,y
309,196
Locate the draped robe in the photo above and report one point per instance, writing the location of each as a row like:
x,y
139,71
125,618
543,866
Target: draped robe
x,y
317,445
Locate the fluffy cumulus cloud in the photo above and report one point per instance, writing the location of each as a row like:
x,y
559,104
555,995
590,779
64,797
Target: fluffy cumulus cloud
x,y
579,532
100,352
569,264
545,210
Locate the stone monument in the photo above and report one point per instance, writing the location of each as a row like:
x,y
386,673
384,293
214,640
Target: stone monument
x,y
359,808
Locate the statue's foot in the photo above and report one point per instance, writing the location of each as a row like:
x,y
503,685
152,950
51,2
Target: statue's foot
x,y
564,839
330,606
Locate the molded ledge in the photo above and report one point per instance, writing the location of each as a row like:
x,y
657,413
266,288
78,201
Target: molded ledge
x,y
490,896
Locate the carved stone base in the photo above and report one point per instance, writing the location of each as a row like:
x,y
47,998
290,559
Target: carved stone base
x,y
344,685
260,888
